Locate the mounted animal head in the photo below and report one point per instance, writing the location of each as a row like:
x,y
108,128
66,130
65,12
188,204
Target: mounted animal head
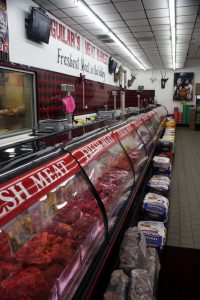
x,y
153,77
118,75
163,80
130,81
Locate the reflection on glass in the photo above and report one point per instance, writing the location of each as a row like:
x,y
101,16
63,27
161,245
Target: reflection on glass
x,y
16,101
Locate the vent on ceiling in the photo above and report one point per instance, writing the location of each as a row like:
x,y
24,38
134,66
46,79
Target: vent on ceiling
x,y
105,38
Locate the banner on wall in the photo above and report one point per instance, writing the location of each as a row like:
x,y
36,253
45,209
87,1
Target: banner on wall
x,y
183,86
76,54
3,31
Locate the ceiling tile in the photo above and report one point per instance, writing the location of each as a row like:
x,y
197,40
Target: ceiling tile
x,y
186,2
148,44
134,15
158,13
77,27
155,4
116,24
159,21
125,34
74,12
121,30
183,37
103,9
185,25
68,21
64,3
58,13
96,31
83,20
185,19
46,4
127,6
143,34
140,28
91,2
162,33
91,26
140,22
186,11
160,27
162,37
111,17
184,31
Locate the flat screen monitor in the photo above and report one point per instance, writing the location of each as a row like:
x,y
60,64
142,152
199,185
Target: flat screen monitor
x,y
39,26
112,65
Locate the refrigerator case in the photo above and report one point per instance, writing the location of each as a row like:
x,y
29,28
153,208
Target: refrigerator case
x,y
51,226
147,119
134,146
143,132
109,169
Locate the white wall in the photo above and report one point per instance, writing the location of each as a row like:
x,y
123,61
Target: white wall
x,y
45,56
165,96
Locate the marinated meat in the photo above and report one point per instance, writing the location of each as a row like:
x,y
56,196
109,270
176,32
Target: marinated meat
x,y
62,253
86,223
62,229
5,251
39,251
68,215
52,273
28,284
8,269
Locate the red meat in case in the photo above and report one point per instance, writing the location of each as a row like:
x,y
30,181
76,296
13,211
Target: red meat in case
x,y
8,269
62,253
62,229
68,215
85,224
123,164
28,284
38,251
5,251
52,273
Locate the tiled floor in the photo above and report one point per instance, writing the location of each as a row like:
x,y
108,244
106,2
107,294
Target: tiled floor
x,y
184,216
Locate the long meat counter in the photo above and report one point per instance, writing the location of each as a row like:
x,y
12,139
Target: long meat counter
x,y
61,206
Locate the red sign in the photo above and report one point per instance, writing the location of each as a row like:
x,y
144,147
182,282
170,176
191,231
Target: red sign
x,y
94,149
137,123
21,192
124,131
89,49
66,36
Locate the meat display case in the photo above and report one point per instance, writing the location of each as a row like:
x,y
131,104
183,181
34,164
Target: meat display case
x,y
60,206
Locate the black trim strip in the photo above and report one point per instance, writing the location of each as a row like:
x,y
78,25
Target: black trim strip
x,y
97,197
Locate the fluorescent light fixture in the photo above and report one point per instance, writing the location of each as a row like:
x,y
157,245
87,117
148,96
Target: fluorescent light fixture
x,y
173,30
106,30
92,16
128,52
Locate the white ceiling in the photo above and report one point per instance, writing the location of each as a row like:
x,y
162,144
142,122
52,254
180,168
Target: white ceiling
x,y
142,25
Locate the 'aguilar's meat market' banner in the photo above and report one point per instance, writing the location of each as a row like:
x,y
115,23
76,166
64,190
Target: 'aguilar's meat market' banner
x,y
67,52
3,31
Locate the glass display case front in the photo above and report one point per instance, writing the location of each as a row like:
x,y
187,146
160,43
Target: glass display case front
x,y
17,111
161,111
148,122
134,146
109,169
50,230
143,132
